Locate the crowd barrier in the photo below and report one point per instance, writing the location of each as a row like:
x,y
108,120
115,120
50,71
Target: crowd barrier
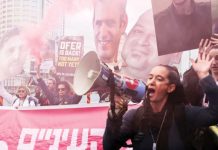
x,y
72,127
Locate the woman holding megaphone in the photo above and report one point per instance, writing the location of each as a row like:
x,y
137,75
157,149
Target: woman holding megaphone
x,y
163,122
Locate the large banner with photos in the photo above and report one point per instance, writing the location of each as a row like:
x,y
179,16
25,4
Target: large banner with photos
x,y
126,34
123,32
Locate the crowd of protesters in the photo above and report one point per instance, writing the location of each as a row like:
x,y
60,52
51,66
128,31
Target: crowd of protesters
x,y
171,110
53,91
152,126
57,92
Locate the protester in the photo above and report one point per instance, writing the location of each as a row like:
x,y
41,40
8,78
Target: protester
x,y
50,89
43,101
163,121
22,97
57,93
1,101
190,78
140,49
214,66
182,25
65,94
203,137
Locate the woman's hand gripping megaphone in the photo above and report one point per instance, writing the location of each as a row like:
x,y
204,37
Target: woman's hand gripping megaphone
x,y
121,106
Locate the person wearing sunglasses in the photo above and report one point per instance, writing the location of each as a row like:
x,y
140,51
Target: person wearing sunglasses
x,y
63,95
66,95
22,97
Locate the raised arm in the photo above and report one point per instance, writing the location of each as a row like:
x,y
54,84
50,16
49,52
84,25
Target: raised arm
x,y
53,73
6,96
202,67
118,128
203,63
53,99
199,116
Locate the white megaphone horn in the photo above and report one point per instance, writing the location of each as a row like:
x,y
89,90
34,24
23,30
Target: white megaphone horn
x,y
91,74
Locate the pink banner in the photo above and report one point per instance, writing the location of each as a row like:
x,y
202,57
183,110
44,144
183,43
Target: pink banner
x,y
53,129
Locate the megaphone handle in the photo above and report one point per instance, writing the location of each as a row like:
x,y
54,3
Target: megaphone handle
x,y
111,83
147,107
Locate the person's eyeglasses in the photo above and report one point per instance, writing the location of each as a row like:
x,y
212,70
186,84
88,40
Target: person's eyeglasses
x,y
21,91
61,89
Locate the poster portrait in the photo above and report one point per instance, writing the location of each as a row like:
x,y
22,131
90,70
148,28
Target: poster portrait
x,y
121,32
214,8
181,24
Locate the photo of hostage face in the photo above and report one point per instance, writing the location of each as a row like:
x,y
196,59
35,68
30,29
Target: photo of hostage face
x,y
140,51
184,3
214,66
109,23
214,10
182,24
13,53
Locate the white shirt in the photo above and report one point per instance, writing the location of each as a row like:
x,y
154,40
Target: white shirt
x,y
12,100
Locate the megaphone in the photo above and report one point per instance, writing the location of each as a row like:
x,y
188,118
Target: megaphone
x,y
91,74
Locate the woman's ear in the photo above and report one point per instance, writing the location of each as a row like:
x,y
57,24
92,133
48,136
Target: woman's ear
x,y
171,88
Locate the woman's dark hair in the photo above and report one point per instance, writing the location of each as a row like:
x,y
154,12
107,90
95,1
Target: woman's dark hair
x,y
193,91
175,98
66,84
178,95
